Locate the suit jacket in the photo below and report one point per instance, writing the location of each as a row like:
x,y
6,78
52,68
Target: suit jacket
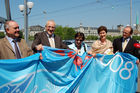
x,y
117,46
42,38
7,52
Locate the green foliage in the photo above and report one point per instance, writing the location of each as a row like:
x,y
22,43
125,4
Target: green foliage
x,y
2,35
21,34
31,38
65,33
111,38
90,37
136,37
59,31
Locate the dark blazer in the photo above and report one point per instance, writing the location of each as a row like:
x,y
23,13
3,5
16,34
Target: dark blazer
x,y
117,47
42,38
7,52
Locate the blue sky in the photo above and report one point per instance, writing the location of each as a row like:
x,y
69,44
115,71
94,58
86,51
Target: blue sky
x,y
70,13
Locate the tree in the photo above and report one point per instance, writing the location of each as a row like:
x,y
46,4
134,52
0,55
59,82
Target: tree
x,y
2,35
136,38
59,31
90,37
21,34
69,33
65,33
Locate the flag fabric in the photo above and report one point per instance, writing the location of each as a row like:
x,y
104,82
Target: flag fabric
x,y
63,71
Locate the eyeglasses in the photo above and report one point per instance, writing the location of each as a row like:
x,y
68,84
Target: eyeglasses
x,y
125,32
78,40
51,27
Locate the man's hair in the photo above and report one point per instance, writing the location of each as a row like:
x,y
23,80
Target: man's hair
x,y
6,24
131,29
50,21
80,34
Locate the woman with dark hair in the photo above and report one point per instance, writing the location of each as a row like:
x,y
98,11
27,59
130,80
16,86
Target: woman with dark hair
x,y
102,45
79,46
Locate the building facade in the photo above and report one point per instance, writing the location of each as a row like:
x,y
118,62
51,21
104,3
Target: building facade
x,y
93,31
34,29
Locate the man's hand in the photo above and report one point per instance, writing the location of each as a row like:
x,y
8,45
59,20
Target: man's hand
x,y
93,54
138,61
39,47
40,57
76,51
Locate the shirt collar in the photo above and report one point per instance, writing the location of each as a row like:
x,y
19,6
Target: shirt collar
x,y
9,38
50,36
127,39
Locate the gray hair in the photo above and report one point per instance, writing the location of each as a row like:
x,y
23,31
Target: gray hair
x,y
6,24
50,21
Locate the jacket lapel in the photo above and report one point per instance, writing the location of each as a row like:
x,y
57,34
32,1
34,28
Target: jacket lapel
x,y
56,41
120,44
8,45
128,44
46,39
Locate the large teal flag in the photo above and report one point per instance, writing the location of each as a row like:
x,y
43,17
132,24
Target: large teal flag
x,y
63,71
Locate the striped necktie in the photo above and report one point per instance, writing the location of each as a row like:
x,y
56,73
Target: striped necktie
x,y
17,50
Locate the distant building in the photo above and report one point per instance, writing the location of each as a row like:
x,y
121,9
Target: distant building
x,y
120,27
93,31
34,29
138,27
136,32
86,30
114,32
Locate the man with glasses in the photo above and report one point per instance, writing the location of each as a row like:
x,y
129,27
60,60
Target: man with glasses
x,y
47,38
126,43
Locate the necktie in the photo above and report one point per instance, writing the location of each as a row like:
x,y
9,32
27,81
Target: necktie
x,y
52,42
124,45
17,50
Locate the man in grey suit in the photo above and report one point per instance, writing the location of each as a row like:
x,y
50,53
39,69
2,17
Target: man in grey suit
x,y
48,38
126,44
11,46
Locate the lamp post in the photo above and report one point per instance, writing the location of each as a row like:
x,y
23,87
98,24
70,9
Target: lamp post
x,y
24,8
45,13
130,12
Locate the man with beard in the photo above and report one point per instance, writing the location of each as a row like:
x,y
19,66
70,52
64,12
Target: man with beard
x,y
11,46
48,38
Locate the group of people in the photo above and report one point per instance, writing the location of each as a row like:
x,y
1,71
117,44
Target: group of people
x,y
13,47
104,46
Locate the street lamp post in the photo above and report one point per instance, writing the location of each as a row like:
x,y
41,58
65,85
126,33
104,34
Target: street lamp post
x,y
130,12
26,13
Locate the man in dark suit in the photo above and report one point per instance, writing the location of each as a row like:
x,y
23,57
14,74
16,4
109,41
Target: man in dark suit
x,y
11,46
48,38
126,43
